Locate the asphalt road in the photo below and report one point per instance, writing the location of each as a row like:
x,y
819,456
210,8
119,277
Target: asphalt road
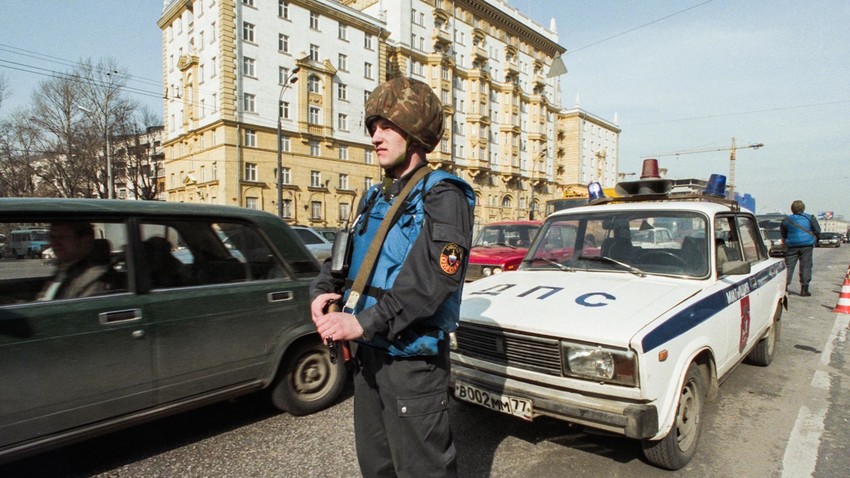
x,y
786,420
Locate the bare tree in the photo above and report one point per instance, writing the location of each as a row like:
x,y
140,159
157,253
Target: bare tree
x,y
20,157
4,89
142,155
101,95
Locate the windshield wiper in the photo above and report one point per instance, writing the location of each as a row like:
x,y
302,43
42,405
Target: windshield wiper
x,y
628,267
550,261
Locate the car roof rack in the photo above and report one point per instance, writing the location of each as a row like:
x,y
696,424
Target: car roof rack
x,y
730,203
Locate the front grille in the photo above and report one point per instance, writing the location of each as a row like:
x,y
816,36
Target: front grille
x,y
531,352
474,272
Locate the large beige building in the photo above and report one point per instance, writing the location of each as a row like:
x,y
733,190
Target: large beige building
x,y
228,67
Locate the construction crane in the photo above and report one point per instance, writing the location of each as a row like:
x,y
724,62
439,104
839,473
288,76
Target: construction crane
x,y
731,150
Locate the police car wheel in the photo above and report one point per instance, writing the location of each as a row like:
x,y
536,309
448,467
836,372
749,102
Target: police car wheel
x,y
307,381
762,353
675,450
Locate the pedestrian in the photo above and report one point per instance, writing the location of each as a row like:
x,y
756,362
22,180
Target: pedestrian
x,y
800,233
411,302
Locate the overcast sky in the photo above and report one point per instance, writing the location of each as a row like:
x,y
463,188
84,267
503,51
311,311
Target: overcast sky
x,y
677,76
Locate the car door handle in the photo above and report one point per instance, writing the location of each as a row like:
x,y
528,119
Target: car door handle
x,y
119,316
282,296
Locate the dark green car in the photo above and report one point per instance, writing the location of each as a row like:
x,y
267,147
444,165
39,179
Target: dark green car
x,y
178,306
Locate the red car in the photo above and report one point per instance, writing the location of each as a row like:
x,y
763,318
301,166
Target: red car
x,y
500,247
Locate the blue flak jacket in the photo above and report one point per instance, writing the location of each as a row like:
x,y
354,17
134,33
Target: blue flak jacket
x,y
798,237
423,337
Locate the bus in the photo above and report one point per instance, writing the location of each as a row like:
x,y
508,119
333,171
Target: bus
x,y
27,243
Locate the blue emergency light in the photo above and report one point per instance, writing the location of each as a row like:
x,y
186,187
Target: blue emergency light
x,y
716,186
594,191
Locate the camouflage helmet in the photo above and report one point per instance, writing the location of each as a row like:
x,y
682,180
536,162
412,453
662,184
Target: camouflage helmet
x,y
412,106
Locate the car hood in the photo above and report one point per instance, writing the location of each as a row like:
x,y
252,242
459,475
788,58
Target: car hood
x,y
495,254
603,307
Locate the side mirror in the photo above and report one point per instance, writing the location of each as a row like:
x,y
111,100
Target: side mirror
x,y
735,268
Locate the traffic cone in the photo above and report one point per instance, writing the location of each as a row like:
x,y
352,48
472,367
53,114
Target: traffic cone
x,y
843,306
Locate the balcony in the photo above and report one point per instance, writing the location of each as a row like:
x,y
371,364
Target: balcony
x,y
441,38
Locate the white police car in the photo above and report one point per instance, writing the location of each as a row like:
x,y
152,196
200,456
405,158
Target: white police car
x,y
619,337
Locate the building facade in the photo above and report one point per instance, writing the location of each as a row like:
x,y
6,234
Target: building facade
x,y
227,67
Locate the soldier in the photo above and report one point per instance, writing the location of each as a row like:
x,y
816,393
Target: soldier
x,y
412,298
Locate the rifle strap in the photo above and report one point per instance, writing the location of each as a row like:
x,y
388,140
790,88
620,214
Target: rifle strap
x,y
371,258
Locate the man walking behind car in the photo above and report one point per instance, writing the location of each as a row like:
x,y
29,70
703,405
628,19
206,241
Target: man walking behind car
x,y
411,302
800,233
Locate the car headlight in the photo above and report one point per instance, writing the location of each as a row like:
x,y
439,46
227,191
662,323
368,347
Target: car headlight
x,y
490,271
603,364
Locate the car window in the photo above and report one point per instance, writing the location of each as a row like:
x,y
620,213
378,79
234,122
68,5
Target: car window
x,y
71,259
750,242
308,236
196,253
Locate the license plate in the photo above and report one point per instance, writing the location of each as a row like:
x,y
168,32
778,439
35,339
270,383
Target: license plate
x,y
518,407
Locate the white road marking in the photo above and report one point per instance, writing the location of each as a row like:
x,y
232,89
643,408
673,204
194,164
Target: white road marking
x,y
801,453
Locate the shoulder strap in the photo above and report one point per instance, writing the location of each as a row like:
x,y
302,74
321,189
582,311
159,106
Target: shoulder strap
x,y
378,241
794,223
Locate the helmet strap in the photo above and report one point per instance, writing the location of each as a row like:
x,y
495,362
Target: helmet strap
x,y
402,158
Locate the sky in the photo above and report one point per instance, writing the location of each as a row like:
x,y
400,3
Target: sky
x,y
675,75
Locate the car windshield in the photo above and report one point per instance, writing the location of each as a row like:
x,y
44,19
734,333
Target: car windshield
x,y
774,234
512,235
641,242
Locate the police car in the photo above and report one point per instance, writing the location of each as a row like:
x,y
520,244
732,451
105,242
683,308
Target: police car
x,y
619,335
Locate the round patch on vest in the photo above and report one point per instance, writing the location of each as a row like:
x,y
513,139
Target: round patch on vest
x,y
450,258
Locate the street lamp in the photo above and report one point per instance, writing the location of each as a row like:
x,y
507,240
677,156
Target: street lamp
x,y
534,172
290,79
110,188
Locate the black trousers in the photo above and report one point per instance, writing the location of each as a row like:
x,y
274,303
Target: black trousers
x,y
401,419
804,255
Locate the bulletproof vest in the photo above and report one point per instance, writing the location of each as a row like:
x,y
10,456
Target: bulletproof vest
x,y
421,338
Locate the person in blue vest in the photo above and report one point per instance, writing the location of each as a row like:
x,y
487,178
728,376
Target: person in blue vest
x,y
800,233
401,323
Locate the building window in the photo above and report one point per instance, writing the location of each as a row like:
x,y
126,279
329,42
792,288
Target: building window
x,y
342,91
315,179
343,153
248,31
314,115
251,203
342,65
286,210
283,9
314,52
213,69
283,109
367,156
344,211
367,42
316,210
285,144
250,3
342,122
249,102
367,71
314,20
313,84
283,43
343,181
343,32
368,182
506,201
314,148
250,171
250,138
248,67
287,176
282,75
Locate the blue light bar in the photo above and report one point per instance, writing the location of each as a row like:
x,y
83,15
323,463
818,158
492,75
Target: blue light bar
x,y
716,186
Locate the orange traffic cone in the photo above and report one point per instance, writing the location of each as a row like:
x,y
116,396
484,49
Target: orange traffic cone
x,y
843,306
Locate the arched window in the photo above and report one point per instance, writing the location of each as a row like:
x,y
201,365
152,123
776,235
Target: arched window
x,y
313,84
506,201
